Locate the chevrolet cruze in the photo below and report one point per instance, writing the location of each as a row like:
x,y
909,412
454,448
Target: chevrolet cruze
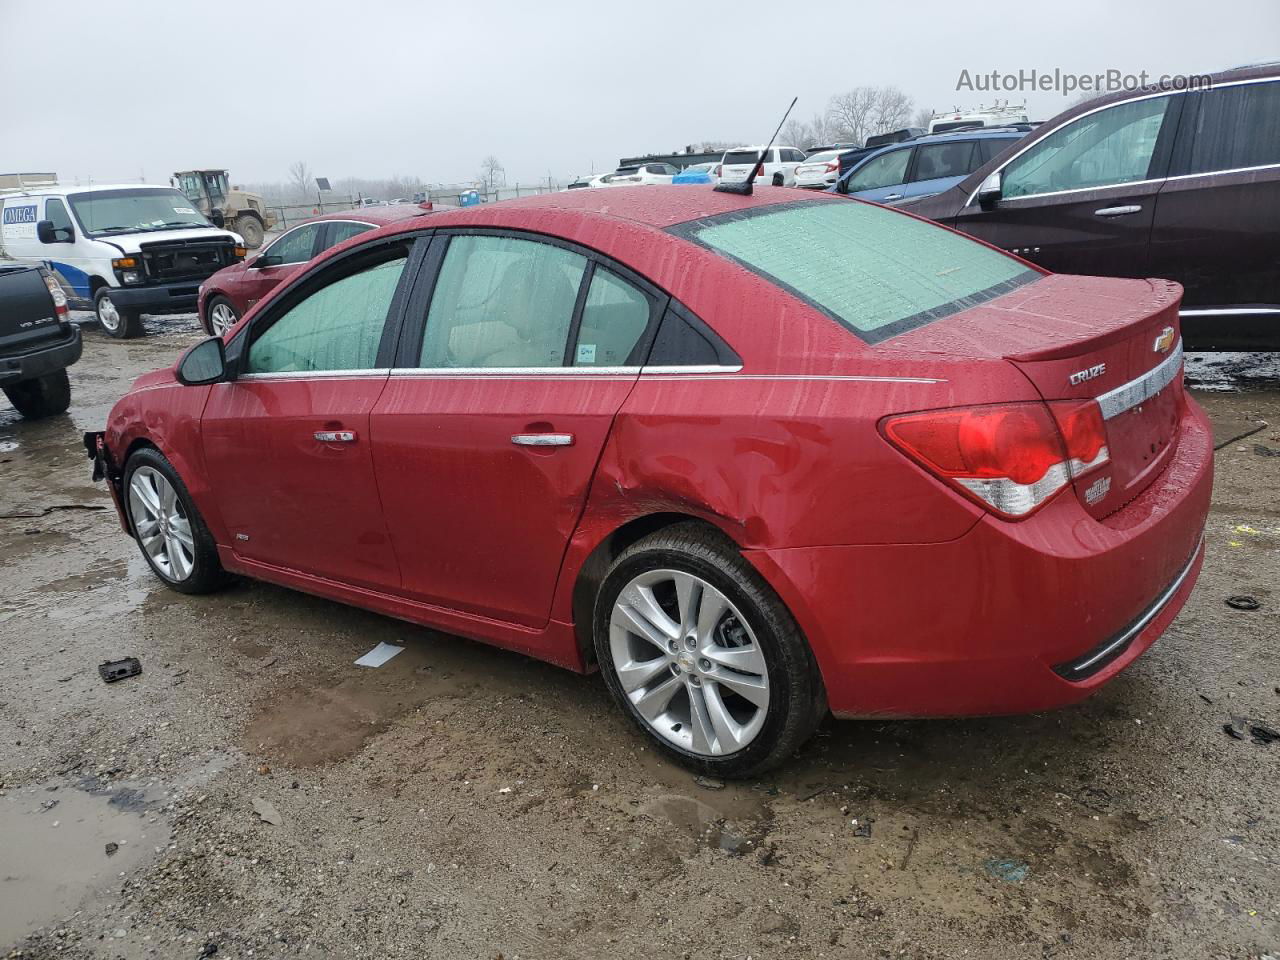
x,y
755,458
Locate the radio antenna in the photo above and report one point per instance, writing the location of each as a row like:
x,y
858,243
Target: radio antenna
x,y
743,189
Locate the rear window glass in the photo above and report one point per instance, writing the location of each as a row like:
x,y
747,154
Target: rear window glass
x,y
876,271
742,156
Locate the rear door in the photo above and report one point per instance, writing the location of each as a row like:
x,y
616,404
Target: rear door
x,y
1217,220
1082,199
939,166
287,444
487,437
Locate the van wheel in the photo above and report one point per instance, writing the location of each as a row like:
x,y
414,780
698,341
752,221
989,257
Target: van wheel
x,y
777,180
247,226
115,321
703,656
169,529
44,397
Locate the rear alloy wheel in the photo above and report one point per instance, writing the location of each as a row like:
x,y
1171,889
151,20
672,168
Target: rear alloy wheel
x,y
222,316
703,656
173,537
250,228
115,321
42,397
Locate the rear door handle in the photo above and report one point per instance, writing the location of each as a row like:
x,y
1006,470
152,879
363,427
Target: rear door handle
x,y
542,439
336,436
1118,211
892,196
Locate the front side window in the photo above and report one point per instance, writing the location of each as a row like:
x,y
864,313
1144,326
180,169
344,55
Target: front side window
x,y
338,327
937,160
876,271
885,170
502,302
1112,146
55,211
294,246
614,319
1237,127
106,212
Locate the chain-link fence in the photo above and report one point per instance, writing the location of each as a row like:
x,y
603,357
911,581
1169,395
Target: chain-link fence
x,y
291,214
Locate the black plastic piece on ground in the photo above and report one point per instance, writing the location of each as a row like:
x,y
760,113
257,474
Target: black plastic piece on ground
x,y
1243,602
114,670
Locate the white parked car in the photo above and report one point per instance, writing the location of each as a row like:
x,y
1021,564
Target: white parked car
x,y
819,171
638,175
779,166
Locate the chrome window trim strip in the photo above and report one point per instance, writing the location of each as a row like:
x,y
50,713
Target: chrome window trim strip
x,y
1226,311
509,372
317,374
1143,388
727,375
1142,622
1108,106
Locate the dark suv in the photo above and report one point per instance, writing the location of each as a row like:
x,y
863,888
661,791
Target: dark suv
x,y
1149,183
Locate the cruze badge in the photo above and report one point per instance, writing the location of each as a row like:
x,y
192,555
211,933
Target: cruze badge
x,y
1080,376
1164,341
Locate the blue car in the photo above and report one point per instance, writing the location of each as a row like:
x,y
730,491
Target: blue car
x,y
697,173
923,166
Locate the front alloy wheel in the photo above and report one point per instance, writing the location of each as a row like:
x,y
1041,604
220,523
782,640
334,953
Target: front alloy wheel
x,y
222,317
163,529
689,662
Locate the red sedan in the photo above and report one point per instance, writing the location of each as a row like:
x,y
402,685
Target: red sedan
x,y
227,295
753,458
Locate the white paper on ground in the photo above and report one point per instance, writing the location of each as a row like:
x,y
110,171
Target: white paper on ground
x,y
379,655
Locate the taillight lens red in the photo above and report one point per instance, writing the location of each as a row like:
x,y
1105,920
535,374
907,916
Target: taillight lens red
x,y
1010,457
833,166
59,296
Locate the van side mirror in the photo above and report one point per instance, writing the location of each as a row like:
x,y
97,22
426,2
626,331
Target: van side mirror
x,y
989,192
46,232
206,362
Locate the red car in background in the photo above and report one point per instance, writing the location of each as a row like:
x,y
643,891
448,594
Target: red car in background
x,y
753,457
227,295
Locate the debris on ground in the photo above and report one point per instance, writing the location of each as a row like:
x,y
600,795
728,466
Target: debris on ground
x,y
1264,451
379,655
208,950
111,848
1010,871
267,812
1236,729
709,783
1243,601
1262,733
861,828
113,670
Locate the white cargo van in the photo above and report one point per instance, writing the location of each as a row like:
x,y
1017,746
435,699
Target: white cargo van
x,y
121,251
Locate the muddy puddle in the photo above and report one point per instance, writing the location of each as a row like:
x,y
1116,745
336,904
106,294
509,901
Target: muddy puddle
x,y
63,844
1232,371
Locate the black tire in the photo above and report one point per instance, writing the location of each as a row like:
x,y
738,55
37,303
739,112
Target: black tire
x,y
46,396
206,573
213,304
119,323
797,701
779,180
250,228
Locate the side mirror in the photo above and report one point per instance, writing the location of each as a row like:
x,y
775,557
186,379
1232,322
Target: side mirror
x,y
46,232
989,192
206,362
266,260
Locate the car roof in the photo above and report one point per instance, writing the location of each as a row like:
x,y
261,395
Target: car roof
x,y
378,216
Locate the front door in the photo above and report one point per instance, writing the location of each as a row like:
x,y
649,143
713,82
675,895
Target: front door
x,y
486,443
1082,199
882,179
288,445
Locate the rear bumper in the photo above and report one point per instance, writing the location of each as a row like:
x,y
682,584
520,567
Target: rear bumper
x,y
41,360
160,298
977,625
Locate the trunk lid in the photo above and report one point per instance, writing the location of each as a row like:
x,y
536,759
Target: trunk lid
x,y
1111,340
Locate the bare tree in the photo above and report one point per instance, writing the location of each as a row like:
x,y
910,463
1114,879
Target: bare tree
x,y
491,173
924,116
300,178
813,133
865,111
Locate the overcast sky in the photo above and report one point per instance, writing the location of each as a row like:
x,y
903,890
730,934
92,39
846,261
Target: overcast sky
x,y
426,89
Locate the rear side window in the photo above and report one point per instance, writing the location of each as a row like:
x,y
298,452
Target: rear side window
x,y
614,319
877,272
502,302
1237,127
885,170
937,160
345,231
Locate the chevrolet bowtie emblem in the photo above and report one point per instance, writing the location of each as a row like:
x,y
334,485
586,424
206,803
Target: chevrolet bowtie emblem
x,y
1164,341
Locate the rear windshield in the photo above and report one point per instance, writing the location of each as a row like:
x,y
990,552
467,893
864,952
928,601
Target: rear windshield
x,y
742,156
876,271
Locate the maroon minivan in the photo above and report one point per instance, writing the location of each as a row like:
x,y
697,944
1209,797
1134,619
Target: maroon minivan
x,y
1149,183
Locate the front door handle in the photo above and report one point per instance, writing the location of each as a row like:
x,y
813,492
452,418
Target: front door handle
x,y
336,436
1118,211
542,439
892,196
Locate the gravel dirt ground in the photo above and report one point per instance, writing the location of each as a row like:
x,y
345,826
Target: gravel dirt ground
x,y
254,794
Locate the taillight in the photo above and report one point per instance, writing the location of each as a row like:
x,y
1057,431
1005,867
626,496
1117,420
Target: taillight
x,y
760,171
58,294
833,166
1011,457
